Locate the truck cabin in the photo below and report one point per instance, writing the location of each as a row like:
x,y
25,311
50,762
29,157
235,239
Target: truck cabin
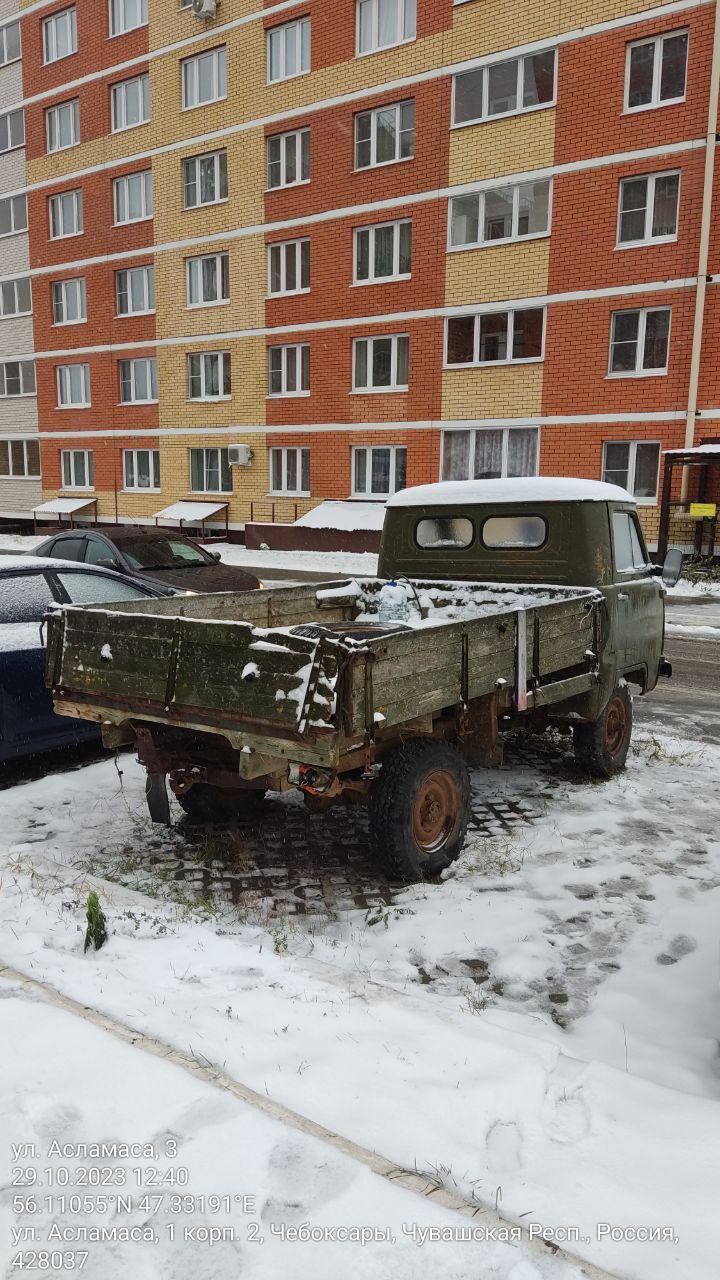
x,y
565,531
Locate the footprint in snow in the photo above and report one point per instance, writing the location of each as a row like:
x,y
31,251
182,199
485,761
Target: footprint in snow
x,y
680,946
504,1147
301,1184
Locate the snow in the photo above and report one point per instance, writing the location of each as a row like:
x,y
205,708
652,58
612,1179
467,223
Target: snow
x,y
525,489
686,587
250,671
19,542
106,653
700,631
15,636
322,562
344,515
193,512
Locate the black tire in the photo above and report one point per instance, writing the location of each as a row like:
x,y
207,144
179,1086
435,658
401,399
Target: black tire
x,y
419,809
601,747
205,803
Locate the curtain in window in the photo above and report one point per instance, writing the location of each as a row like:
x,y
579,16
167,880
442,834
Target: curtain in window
x,y
522,452
456,455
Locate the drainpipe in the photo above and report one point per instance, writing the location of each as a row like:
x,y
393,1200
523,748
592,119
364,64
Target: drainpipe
x,y
703,253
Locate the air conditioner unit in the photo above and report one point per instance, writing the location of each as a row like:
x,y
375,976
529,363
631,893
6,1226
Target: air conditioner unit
x,y
204,8
240,455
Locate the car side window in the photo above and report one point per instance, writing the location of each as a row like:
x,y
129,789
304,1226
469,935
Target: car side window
x,y
97,588
629,552
68,549
98,551
24,597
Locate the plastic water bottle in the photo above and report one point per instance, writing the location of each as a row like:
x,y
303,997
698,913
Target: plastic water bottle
x,y
393,603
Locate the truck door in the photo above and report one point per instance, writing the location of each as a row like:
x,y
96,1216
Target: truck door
x,y
640,606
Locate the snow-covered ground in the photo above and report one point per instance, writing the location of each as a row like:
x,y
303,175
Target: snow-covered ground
x,y
538,1031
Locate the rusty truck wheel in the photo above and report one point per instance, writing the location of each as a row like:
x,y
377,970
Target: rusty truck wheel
x,y
205,803
419,809
601,748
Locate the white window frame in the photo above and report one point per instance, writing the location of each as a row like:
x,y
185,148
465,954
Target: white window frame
x,y
63,378
476,362
214,302
405,14
5,61
297,136
122,185
72,455
286,248
190,78
369,449
12,116
119,24
23,366
56,203
68,18
639,372
475,431
13,202
289,31
59,295
632,457
520,110
284,394
373,113
371,229
217,158
223,358
153,468
219,449
655,101
651,179
150,363
53,114
148,276
515,238
286,491
26,473
119,122
14,284
394,386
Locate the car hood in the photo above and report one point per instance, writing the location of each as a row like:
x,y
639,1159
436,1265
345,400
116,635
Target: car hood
x,y
212,577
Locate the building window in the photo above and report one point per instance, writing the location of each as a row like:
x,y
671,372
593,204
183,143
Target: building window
x,y
385,135
141,468
209,375
648,209
204,78
62,125
288,159
499,215
60,35
288,50
634,465
133,197
655,71
494,337
127,15
504,88
17,378
9,43
490,453
19,458
210,471
138,381
639,342
383,252
205,179
12,130
68,301
290,472
208,280
381,364
382,23
77,468
73,386
130,103
289,267
65,215
13,215
135,291
289,370
15,297
378,471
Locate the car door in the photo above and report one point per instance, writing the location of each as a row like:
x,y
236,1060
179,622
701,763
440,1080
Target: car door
x,y
96,587
640,607
100,552
70,546
27,719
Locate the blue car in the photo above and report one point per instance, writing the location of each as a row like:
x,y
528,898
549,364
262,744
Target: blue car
x,y
29,587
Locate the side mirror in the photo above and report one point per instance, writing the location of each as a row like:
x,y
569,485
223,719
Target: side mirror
x,y
672,567
215,555
110,564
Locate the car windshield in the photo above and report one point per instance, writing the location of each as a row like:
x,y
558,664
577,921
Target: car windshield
x,y
163,553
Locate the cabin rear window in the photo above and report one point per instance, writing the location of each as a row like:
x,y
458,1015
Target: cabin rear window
x,y
515,533
438,533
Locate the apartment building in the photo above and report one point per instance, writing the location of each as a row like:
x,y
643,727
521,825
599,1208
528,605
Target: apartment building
x,y
376,242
